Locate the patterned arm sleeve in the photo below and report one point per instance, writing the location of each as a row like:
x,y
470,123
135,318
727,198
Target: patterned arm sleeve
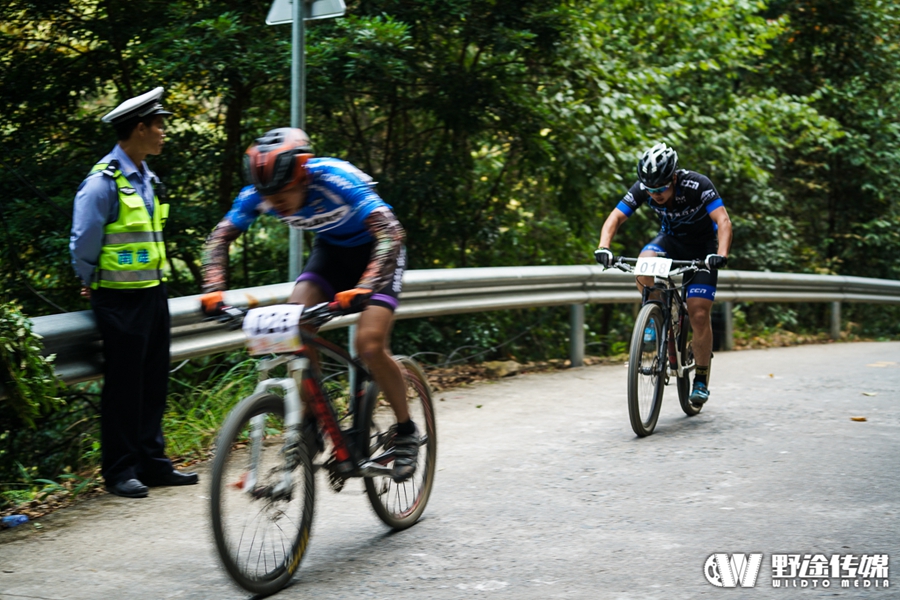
x,y
389,236
215,256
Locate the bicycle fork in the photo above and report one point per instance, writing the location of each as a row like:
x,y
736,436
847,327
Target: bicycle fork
x,y
292,416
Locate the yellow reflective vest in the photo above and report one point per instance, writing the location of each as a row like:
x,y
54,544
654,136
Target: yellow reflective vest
x,y
133,255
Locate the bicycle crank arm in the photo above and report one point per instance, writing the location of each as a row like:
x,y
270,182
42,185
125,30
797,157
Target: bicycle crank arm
x,y
373,469
686,370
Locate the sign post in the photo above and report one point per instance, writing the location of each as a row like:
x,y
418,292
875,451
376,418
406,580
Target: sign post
x,y
297,12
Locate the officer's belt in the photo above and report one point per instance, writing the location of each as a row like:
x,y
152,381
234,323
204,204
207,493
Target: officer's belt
x,y
131,276
132,237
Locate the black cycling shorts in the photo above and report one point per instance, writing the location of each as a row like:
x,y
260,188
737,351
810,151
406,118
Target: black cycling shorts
x,y
698,284
339,268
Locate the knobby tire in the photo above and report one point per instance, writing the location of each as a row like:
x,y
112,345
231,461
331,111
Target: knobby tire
x,y
400,505
684,342
260,541
645,389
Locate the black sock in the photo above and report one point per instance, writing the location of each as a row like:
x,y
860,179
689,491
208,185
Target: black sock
x,y
701,374
406,428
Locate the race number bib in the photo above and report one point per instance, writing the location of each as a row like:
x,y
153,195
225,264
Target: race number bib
x,y
273,329
655,266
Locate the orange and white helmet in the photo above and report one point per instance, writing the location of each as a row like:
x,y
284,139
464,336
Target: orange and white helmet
x,y
277,160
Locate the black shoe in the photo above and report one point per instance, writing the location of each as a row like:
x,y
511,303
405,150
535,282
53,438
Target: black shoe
x,y
130,488
173,477
406,454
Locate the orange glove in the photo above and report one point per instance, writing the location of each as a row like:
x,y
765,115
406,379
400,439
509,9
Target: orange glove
x,y
212,304
352,299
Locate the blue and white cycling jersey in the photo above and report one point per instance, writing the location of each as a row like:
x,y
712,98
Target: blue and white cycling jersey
x,y
338,200
688,217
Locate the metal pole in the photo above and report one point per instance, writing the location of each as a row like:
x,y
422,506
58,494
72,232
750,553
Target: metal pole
x,y
298,117
728,342
835,320
576,334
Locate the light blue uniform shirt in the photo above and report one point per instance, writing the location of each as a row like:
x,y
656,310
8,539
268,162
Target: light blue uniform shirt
x,y
97,204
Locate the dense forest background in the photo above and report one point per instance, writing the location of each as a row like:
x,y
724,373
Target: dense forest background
x,y
502,132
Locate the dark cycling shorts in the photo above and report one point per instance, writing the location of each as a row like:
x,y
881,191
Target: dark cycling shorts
x,y
699,284
339,268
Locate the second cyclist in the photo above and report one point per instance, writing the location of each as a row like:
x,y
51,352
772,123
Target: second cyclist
x,y
694,225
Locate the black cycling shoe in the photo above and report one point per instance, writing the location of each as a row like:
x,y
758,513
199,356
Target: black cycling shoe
x,y
406,454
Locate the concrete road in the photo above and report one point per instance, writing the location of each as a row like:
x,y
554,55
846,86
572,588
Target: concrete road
x,y
543,491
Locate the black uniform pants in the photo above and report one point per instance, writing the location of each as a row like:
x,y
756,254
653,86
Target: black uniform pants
x,y
134,325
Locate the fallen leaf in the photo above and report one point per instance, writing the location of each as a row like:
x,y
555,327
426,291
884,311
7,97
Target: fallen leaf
x,y
870,393
857,418
772,375
478,406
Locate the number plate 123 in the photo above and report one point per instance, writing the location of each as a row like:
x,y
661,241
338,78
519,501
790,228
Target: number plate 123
x,y
273,329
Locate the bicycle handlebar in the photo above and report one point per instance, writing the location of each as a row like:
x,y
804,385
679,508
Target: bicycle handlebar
x,y
626,264
316,315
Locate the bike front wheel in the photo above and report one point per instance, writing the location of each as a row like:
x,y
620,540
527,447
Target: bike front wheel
x,y
400,505
646,370
685,344
262,496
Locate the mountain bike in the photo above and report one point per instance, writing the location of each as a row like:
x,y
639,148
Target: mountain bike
x,y
263,474
661,342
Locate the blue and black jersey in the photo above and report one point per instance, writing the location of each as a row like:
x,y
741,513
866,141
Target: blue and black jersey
x,y
688,217
338,200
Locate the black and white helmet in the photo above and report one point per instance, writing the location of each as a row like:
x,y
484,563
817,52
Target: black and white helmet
x,y
657,165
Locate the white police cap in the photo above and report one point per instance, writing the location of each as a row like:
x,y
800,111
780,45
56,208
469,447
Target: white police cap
x,y
139,106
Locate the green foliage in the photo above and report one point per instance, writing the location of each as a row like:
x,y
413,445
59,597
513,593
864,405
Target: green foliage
x,y
201,395
30,386
501,132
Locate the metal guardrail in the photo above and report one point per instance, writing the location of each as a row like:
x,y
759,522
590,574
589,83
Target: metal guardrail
x,y
74,338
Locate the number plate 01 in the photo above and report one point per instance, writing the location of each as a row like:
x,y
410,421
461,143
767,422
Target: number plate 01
x,y
273,329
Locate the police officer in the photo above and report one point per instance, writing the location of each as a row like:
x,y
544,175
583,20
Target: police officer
x,y
118,252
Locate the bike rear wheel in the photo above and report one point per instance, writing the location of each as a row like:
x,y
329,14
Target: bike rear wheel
x,y
646,370
400,505
261,536
684,342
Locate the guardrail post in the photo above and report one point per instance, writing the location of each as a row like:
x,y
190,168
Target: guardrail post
x,y
835,320
576,334
728,342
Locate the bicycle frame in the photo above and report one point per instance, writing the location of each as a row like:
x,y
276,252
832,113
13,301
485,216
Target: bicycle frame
x,y
671,297
352,460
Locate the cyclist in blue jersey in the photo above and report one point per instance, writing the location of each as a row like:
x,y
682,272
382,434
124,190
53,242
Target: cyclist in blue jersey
x,y
694,225
357,259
